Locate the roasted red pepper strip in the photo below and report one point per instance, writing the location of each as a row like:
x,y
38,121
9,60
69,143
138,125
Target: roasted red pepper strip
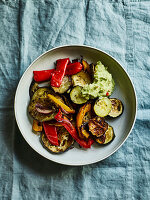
x,y
71,129
44,75
51,133
107,94
73,68
59,72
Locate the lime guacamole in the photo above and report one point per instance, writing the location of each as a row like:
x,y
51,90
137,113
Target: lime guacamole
x,y
103,83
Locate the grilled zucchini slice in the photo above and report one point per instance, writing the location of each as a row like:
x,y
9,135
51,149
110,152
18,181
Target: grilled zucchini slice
x,y
107,137
64,138
81,79
116,108
76,96
102,107
65,85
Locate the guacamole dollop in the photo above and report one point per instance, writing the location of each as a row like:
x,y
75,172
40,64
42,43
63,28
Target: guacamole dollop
x,y
103,83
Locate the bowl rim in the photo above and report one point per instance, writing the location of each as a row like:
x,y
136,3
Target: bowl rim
x,y
55,160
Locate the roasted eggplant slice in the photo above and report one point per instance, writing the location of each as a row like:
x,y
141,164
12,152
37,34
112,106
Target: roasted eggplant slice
x,y
64,138
33,88
116,108
81,79
100,139
107,137
65,85
98,126
77,60
40,106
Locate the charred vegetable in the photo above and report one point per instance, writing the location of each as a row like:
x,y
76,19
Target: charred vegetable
x,y
51,133
92,67
102,107
82,119
76,97
81,79
59,72
100,139
65,85
33,88
40,106
98,126
64,138
116,108
107,137
44,75
60,104
73,68
72,130
37,126
86,66
84,133
54,123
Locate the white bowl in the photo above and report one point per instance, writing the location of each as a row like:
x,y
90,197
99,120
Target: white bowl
x,y
124,90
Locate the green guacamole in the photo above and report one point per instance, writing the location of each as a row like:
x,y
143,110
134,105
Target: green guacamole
x,y
103,83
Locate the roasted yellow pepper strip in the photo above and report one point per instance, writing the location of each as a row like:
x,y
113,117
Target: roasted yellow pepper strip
x,y
36,127
86,66
79,120
59,103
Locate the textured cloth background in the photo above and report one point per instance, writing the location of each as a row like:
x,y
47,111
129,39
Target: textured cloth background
x,y
31,27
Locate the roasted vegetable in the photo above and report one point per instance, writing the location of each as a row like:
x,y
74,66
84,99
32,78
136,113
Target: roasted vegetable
x,y
107,137
54,123
77,60
81,79
37,126
44,75
60,104
73,68
86,66
100,139
64,138
40,106
98,126
82,119
58,74
116,108
51,133
33,88
76,97
84,133
71,129
102,107
92,67
65,85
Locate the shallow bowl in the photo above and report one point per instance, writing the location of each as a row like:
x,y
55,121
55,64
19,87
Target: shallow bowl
x,y
124,90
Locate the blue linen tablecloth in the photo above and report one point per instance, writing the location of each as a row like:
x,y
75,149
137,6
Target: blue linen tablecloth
x,y
31,27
